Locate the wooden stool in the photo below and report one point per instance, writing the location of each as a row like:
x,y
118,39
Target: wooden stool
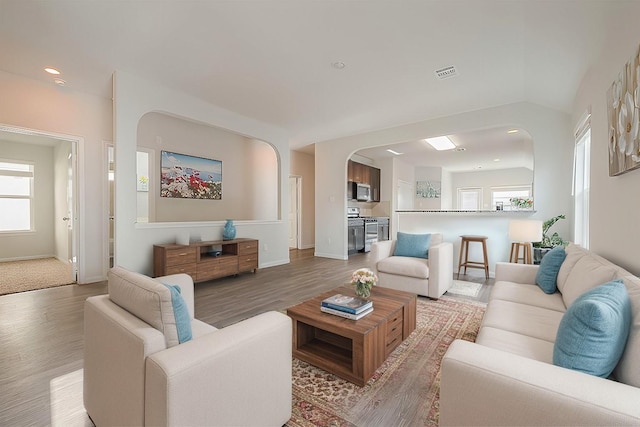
x,y
514,256
464,249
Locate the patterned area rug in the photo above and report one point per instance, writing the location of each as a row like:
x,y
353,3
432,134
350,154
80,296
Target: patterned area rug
x,y
322,399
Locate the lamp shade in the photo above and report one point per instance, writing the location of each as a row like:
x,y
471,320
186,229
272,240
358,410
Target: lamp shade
x,y
525,230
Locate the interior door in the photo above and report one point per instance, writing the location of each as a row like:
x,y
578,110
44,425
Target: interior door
x,y
72,215
293,212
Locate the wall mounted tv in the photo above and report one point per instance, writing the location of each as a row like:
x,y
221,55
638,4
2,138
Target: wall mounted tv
x,y
190,177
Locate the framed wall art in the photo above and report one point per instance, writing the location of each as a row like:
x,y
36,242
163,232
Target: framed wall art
x,y
623,112
190,177
428,189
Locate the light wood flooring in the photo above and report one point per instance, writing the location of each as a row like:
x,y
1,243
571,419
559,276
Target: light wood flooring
x,y
41,332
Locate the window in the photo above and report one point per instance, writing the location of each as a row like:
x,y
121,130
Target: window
x,y
469,199
16,196
581,184
505,194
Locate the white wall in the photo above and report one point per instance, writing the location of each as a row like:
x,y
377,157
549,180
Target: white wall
x,y
133,98
39,243
46,107
614,202
488,179
553,156
302,165
249,171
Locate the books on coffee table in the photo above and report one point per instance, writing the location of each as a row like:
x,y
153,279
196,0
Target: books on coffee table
x,y
345,314
347,304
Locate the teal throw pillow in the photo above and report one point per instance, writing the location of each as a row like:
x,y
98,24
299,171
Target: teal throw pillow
x,y
181,314
594,330
412,245
547,274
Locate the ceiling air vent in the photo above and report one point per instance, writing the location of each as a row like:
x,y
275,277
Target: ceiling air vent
x,y
446,72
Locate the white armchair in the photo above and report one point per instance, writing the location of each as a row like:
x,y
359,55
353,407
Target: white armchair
x,y
136,372
429,277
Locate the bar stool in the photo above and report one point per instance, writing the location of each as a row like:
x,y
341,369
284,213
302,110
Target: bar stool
x,y
464,249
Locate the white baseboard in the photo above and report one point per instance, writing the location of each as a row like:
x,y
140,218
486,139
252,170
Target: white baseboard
x,y
310,246
26,258
332,256
274,263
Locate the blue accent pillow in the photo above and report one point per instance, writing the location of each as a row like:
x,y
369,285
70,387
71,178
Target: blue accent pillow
x,y
412,245
594,330
181,314
547,274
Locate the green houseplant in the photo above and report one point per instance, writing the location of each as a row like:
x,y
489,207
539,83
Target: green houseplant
x,y
548,242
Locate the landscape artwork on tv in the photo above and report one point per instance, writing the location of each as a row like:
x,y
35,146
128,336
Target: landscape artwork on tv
x,y
190,177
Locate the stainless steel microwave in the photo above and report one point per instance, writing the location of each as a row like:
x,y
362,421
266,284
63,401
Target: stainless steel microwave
x,y
361,192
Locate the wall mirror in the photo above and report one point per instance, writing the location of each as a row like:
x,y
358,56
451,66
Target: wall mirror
x,y
170,180
485,169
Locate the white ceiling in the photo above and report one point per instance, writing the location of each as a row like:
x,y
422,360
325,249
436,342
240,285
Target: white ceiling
x,y
271,60
487,149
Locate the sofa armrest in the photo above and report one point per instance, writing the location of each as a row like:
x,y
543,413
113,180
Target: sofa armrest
x,y
116,344
517,273
379,251
485,386
238,375
186,288
440,269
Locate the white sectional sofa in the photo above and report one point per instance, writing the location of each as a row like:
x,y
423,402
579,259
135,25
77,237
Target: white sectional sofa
x,y
507,377
430,277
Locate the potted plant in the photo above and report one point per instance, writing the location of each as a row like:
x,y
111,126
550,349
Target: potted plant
x,y
548,242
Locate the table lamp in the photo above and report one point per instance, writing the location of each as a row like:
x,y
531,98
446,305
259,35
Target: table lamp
x,y
522,233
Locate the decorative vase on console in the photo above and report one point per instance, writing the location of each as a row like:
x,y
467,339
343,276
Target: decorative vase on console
x,y
229,230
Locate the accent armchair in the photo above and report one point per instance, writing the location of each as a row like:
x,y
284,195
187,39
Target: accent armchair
x,y
139,369
430,277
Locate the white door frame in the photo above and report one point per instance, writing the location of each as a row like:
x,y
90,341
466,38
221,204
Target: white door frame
x,y
298,209
77,232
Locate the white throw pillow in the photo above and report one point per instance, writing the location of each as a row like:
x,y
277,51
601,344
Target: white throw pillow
x,y
628,369
588,273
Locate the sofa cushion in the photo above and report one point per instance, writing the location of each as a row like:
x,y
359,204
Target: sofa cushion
x,y
405,266
527,294
412,245
549,267
146,299
628,369
522,319
181,314
594,330
573,254
522,345
588,273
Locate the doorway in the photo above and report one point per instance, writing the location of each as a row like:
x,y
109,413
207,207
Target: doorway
x,y
295,188
53,230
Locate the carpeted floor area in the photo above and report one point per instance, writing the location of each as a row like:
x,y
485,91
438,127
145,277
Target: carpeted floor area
x,y
29,275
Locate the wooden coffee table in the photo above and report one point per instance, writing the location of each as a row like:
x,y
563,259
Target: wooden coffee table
x,y
352,349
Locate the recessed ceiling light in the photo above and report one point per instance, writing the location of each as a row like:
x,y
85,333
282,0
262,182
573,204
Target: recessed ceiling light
x,y
496,160
460,149
441,143
393,152
512,131
52,71
59,82
339,65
